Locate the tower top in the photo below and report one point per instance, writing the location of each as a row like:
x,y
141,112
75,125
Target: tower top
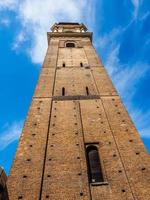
x,y
69,27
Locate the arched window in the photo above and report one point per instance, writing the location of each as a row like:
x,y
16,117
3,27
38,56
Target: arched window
x,y
64,64
70,44
94,166
63,91
81,64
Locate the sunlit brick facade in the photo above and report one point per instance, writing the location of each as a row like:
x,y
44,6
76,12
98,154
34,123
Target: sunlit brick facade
x,y
75,106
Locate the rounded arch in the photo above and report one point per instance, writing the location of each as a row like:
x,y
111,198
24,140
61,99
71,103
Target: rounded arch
x,y
94,164
70,44
91,147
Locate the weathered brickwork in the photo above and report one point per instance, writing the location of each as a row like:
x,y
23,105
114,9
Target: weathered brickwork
x,y
63,180
96,129
74,105
72,57
44,87
130,147
102,82
26,174
52,53
91,54
78,80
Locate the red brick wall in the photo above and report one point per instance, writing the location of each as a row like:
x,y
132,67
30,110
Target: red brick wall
x,y
50,161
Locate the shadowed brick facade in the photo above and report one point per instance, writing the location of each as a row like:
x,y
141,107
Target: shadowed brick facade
x,y
3,187
75,105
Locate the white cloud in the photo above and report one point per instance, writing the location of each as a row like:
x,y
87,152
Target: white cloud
x,y
107,39
136,4
19,40
112,60
130,77
36,17
126,78
10,134
5,22
8,4
110,47
145,15
145,132
141,119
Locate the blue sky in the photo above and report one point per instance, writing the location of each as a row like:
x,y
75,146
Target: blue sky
x,y
121,37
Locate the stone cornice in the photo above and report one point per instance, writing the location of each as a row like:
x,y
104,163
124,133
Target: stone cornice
x,y
69,25
64,34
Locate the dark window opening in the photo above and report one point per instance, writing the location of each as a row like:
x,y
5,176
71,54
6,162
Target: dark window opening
x,y
1,189
81,64
87,90
94,165
63,91
64,64
70,44
68,31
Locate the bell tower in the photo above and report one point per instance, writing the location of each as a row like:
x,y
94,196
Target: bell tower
x,y
78,141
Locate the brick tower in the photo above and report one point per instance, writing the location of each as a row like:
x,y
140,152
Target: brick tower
x,y
78,141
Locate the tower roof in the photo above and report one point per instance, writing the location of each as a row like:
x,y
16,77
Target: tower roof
x,y
69,25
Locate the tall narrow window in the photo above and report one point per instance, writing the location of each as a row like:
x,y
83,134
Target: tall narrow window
x,y
81,64
63,91
70,44
87,91
64,64
94,166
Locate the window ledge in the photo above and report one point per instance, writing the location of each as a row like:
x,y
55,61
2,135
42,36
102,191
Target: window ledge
x,y
99,183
